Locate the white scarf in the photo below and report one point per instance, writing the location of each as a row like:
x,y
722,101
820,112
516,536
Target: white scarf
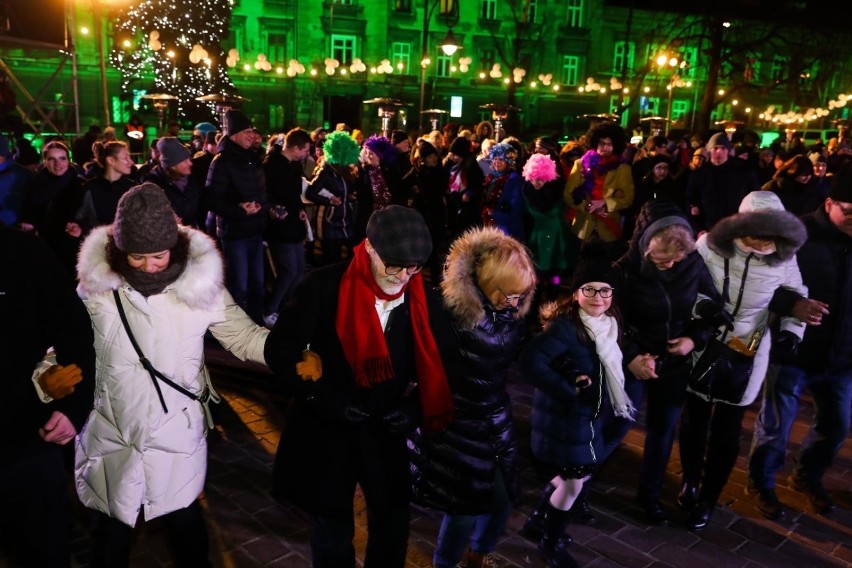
x,y
604,332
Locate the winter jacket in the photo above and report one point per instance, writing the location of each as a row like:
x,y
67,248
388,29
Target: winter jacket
x,y
186,202
14,180
564,433
798,198
507,209
826,264
717,191
235,176
322,454
100,200
761,213
40,310
337,220
657,305
284,190
553,245
454,471
131,452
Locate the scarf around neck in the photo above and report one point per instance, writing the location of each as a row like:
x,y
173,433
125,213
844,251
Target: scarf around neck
x,y
604,332
149,284
363,341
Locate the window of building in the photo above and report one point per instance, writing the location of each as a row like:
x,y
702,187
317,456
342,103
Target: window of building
x,y
575,13
344,2
276,47
488,10
343,48
807,76
752,68
402,5
778,68
443,64
401,53
679,109
623,51
532,11
486,60
690,55
570,70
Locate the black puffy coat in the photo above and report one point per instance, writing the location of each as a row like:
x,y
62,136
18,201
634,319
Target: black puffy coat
x,y
657,304
235,176
454,471
718,190
284,189
338,221
186,202
564,433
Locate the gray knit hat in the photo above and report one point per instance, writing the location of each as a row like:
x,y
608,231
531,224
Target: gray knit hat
x,y
400,236
172,151
144,221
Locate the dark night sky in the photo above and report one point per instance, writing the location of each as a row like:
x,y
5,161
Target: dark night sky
x,y
33,20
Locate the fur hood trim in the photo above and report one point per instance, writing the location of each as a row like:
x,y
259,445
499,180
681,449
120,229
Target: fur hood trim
x,y
786,230
461,294
198,286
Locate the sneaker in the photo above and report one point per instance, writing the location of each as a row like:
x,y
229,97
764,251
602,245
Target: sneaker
x,y
767,502
269,321
817,495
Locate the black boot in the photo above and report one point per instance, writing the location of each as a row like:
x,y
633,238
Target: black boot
x,y
580,510
553,546
534,525
688,495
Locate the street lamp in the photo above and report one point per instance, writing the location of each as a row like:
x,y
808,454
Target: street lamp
x,y
449,45
673,62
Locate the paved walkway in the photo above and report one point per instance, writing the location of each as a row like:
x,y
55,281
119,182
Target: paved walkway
x,y
249,528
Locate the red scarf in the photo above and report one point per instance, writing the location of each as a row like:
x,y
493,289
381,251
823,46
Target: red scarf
x,y
360,333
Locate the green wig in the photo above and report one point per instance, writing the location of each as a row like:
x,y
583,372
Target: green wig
x,y
340,149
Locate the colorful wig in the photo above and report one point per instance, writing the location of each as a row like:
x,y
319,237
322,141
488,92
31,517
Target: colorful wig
x,y
539,167
504,152
382,147
340,149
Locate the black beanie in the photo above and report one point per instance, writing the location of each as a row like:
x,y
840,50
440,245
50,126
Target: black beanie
x,y
398,136
144,221
236,121
460,147
593,265
841,185
400,236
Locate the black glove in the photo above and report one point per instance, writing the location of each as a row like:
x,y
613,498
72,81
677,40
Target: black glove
x,y
354,415
715,314
400,422
785,348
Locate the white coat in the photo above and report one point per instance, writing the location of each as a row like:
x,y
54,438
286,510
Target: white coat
x,y
761,214
131,454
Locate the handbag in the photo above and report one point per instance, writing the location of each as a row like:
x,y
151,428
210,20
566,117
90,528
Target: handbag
x,y
207,395
723,370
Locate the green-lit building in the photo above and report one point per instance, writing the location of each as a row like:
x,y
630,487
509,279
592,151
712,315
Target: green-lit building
x,y
314,63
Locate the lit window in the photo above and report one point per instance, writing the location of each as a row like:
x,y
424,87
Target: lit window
x,y
343,48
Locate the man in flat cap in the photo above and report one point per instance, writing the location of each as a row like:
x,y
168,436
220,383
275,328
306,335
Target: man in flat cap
x,y
360,345
822,363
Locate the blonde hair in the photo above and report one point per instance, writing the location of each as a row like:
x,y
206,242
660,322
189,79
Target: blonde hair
x,y
672,239
507,266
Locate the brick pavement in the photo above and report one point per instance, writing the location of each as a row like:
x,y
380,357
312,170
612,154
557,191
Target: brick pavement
x,y
248,528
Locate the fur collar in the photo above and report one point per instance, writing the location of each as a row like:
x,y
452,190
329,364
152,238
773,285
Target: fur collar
x,y
462,296
197,287
787,230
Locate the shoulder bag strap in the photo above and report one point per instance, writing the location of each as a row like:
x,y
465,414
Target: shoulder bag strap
x,y
742,287
155,374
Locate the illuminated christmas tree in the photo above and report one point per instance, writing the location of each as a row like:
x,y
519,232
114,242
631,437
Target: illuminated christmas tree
x,y
179,41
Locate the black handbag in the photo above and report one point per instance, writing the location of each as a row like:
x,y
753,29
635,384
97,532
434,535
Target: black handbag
x,y
722,372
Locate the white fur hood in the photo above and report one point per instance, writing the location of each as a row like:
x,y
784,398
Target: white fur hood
x,y
197,287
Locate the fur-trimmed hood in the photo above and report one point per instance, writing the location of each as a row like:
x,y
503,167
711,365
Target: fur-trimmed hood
x,y
461,293
197,286
761,214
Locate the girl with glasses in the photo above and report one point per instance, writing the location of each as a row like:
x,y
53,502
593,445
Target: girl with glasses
x,y
575,364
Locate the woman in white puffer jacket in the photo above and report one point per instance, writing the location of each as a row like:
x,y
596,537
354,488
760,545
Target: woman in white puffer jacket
x,y
759,245
143,449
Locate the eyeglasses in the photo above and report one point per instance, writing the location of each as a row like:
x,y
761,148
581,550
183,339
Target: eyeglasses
x,y
411,270
589,292
513,298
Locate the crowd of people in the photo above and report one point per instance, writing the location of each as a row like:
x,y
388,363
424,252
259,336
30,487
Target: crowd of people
x,y
687,278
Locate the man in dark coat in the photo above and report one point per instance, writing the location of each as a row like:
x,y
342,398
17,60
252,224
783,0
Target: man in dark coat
x,y
717,189
236,194
360,346
822,363
40,309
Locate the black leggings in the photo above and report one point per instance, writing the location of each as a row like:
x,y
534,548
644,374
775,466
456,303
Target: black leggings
x,y
185,531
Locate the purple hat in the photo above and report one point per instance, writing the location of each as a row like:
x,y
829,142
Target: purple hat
x,y
382,147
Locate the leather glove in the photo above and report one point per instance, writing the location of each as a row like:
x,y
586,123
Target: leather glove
x,y
399,422
785,348
310,367
715,314
58,381
354,415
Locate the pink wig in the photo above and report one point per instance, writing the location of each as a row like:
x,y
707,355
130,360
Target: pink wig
x,y
539,167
